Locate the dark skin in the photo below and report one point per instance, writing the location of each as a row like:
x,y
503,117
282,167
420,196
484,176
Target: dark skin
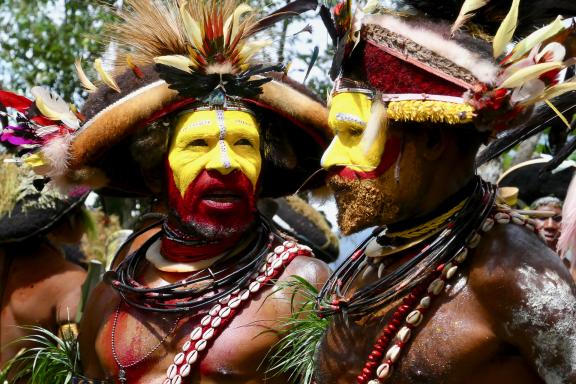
x,y
508,317
43,289
138,333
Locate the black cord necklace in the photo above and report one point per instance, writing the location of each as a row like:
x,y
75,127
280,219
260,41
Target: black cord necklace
x,y
439,249
200,288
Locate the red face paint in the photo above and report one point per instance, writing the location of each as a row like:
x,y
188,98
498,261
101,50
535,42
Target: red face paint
x,y
390,155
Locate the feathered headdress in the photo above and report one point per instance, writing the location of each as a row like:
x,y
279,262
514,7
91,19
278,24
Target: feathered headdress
x,y
427,70
171,55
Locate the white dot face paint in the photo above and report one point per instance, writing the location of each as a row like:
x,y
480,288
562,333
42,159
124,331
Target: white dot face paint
x,y
222,138
549,310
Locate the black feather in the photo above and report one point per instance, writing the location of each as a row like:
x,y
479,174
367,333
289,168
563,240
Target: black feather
x,y
532,13
292,9
561,155
542,119
329,23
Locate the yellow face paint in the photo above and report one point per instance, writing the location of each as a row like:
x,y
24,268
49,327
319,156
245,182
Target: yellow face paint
x,y
348,118
218,140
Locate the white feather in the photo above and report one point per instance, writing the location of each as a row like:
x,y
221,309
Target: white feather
x,y
56,153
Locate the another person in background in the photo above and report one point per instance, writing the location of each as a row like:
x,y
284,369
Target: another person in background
x,y
38,286
550,226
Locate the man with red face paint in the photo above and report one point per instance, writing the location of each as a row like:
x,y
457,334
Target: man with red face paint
x,y
197,299
450,287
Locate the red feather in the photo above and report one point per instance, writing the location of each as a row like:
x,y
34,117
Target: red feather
x,y
12,100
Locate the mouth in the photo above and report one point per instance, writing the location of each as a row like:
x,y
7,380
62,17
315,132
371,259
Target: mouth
x,y
223,199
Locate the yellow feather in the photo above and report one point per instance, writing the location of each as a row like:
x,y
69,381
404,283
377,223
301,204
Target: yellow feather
x,y
251,48
370,7
532,72
192,27
559,114
181,62
536,37
552,92
84,80
506,30
466,12
234,20
105,76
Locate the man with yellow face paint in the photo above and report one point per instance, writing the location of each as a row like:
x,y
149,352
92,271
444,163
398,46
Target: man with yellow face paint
x,y
190,120
450,287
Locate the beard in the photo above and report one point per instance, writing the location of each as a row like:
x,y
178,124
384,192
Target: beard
x,y
361,204
201,212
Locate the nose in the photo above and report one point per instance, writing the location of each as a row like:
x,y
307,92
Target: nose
x,y
334,155
220,159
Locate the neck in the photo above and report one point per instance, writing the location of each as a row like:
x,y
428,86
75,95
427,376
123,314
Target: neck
x,y
183,247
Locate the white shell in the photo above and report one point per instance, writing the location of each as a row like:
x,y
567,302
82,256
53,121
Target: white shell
x,y
474,240
518,219
254,286
488,224
305,248
502,218
414,318
179,358
216,322
214,311
277,263
196,333
171,371
279,249
185,370
187,346
176,380
167,381
451,272
436,287
381,269
374,381
393,353
261,279
373,249
288,244
224,300
234,303
192,357
403,334
206,320
270,257
224,312
207,335
244,295
285,255
383,371
461,256
269,271
446,268
425,301
201,345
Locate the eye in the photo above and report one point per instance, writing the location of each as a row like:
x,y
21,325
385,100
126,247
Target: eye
x,y
244,142
198,143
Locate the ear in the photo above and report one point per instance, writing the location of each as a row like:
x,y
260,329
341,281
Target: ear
x,y
435,142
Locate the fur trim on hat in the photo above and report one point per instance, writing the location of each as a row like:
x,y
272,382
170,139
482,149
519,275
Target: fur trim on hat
x,y
117,121
484,70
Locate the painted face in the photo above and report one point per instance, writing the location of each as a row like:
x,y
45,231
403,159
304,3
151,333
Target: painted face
x,y
360,159
214,164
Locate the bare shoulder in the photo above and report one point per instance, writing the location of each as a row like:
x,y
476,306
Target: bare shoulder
x,y
529,298
315,271
509,258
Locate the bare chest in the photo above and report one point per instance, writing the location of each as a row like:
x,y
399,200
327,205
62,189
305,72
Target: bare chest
x,y
144,345
453,334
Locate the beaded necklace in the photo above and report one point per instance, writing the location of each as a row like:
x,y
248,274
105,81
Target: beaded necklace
x,y
409,314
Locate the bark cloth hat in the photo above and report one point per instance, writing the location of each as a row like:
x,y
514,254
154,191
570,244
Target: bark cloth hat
x,y
172,56
424,68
